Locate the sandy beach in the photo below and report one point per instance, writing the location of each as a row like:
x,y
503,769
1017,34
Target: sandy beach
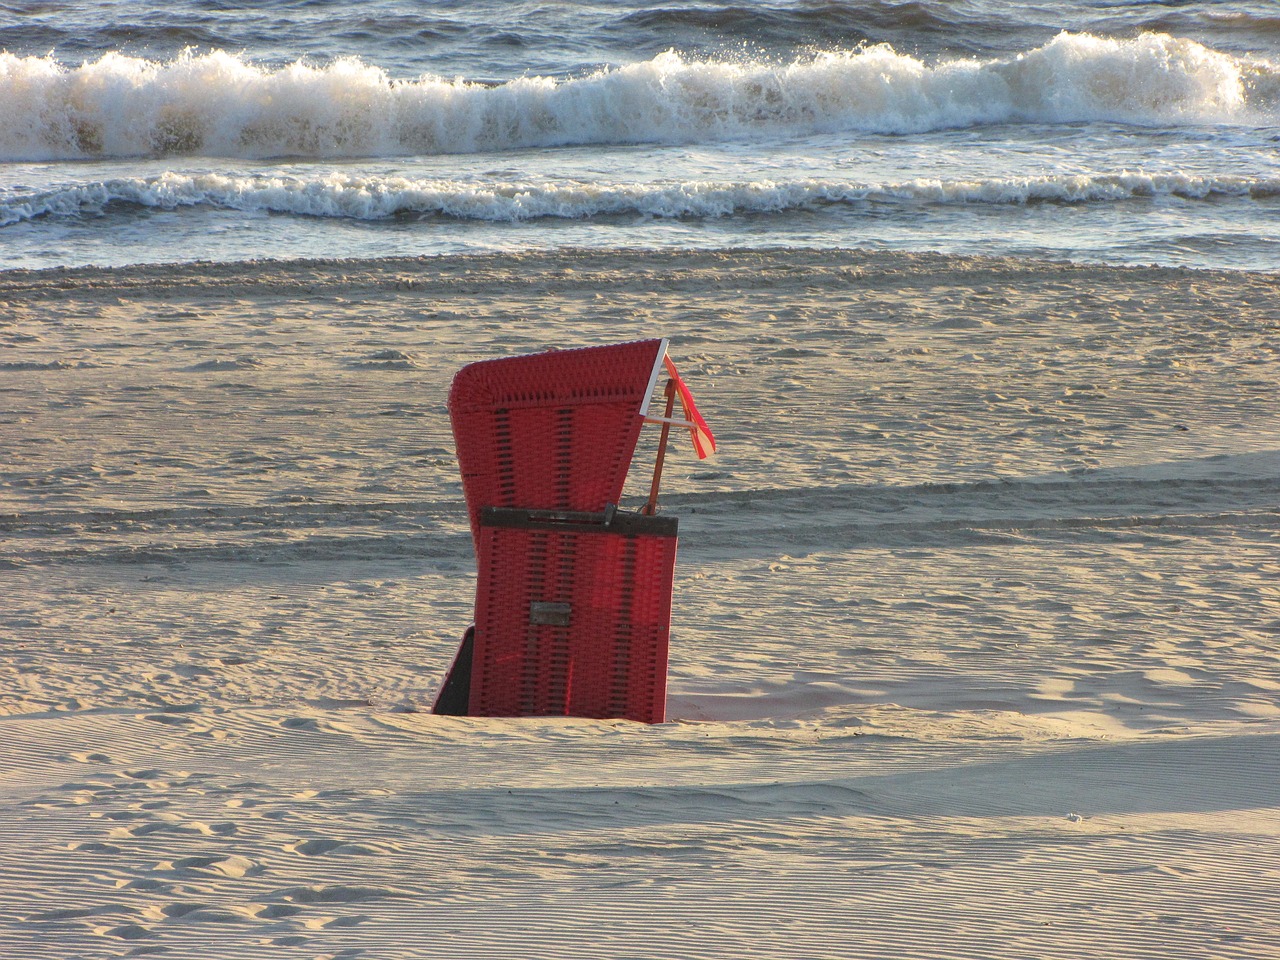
x,y
975,647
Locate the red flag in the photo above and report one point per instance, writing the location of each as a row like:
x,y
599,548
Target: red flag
x,y
704,442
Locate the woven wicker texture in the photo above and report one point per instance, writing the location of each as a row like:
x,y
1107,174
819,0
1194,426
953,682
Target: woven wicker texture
x,y
551,431
608,658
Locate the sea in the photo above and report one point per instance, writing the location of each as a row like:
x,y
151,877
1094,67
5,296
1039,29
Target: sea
x,y
1104,131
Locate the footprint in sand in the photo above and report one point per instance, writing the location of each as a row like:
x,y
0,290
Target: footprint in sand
x,y
321,847
301,723
142,829
66,913
161,823
192,726
120,815
174,911
233,867
339,893
352,921
277,911
202,913
91,758
92,846
147,884
313,848
327,923
126,931
157,776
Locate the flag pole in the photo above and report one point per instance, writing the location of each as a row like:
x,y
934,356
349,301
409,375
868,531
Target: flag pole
x,y
651,507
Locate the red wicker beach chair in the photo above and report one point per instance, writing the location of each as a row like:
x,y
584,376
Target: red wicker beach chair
x,y
573,599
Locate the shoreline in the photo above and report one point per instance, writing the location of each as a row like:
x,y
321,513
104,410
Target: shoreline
x,y
362,271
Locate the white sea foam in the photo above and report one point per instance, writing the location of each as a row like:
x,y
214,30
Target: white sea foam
x,y
375,198
218,104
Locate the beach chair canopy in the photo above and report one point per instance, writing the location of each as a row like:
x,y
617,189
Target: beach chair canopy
x,y
557,430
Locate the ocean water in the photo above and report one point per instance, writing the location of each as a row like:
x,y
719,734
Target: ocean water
x,y
1117,131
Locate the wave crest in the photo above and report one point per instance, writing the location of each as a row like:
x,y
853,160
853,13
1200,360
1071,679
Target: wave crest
x,y
218,104
376,198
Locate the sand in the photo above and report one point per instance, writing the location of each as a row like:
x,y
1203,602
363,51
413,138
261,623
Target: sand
x,y
976,641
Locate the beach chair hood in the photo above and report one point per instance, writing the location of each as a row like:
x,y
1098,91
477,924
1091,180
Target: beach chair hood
x,y
558,430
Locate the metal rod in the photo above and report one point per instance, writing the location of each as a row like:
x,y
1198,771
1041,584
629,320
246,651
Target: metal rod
x,y
651,507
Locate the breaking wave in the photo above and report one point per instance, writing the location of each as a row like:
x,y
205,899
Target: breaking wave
x,y
376,198
218,104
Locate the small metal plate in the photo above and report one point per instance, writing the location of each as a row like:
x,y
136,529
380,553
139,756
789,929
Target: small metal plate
x,y
549,614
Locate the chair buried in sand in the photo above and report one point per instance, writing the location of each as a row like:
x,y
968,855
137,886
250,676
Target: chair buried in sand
x,y
573,599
